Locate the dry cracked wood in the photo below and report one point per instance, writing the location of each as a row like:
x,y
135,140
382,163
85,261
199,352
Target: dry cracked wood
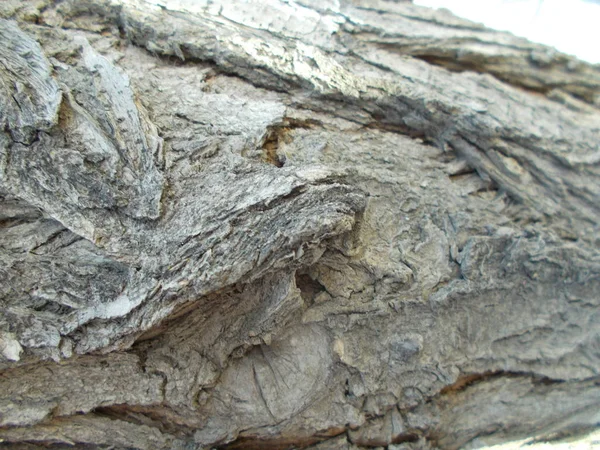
x,y
281,224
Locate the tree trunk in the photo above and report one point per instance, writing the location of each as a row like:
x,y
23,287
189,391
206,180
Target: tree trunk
x,y
276,224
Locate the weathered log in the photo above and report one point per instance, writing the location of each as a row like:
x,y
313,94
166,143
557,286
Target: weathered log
x,y
283,224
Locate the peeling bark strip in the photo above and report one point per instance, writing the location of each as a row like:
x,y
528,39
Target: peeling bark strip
x,y
283,224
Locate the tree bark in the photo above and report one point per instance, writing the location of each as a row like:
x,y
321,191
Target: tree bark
x,y
286,224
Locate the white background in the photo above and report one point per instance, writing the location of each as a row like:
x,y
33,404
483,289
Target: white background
x,y
572,26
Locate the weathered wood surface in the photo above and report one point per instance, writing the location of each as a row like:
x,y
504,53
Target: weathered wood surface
x,y
279,224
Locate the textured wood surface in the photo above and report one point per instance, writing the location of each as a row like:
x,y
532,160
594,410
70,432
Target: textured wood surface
x,y
283,224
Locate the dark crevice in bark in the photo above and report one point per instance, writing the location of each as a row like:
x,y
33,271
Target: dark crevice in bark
x,y
161,417
267,444
468,380
278,134
281,442
461,66
309,287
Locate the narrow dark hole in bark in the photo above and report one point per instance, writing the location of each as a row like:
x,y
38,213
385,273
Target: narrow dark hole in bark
x,y
278,134
309,288
408,437
270,147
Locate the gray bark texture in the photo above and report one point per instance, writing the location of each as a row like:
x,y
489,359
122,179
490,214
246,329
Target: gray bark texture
x,y
274,224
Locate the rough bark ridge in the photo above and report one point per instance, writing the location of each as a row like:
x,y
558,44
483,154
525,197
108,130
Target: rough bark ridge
x,y
280,224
